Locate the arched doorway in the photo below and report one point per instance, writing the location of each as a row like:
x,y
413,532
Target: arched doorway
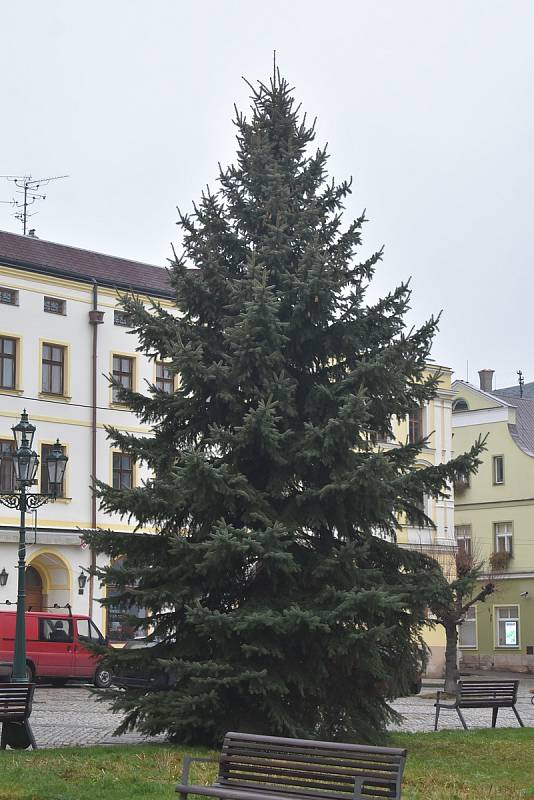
x,y
48,572
34,590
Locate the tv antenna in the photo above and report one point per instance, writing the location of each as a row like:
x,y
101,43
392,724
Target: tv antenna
x,y
30,189
521,382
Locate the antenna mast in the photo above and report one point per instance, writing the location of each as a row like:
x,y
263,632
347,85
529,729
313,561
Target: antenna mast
x,y
28,187
521,382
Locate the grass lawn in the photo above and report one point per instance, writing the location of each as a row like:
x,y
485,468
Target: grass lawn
x,y
448,765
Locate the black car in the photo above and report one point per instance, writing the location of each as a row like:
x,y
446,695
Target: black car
x,y
142,671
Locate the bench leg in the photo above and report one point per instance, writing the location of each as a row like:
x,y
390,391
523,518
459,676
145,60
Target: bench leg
x,y
3,743
462,720
31,737
494,713
437,717
516,712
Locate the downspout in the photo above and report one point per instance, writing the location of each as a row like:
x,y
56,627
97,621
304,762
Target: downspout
x,y
96,318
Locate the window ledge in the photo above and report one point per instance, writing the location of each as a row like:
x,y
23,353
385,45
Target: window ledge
x,y
120,406
507,647
59,398
61,500
3,390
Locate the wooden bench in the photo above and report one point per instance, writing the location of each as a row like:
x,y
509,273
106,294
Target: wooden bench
x,y
272,768
482,694
15,709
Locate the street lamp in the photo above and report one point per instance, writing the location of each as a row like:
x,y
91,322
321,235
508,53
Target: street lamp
x,y
25,465
82,580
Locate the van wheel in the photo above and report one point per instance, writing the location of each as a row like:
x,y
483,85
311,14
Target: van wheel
x,y
102,678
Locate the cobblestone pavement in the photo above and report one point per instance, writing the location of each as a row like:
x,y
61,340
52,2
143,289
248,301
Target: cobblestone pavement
x,y
71,716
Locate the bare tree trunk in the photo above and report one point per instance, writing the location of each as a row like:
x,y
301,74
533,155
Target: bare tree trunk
x,y
452,673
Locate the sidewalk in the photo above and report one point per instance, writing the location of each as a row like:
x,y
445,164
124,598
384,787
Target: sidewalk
x,y
525,679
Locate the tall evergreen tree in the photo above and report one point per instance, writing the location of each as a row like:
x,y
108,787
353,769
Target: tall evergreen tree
x,y
273,576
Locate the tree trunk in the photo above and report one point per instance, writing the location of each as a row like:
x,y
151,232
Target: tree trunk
x,y
452,673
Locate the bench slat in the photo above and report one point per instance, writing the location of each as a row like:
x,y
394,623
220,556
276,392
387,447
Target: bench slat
x,y
370,790
308,744
297,767
305,758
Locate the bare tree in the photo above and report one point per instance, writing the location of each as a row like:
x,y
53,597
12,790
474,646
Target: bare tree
x,y
461,582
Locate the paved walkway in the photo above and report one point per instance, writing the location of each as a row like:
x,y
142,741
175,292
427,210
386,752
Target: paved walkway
x,y
418,712
72,716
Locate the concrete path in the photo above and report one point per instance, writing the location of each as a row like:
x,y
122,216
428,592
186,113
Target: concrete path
x,y
71,716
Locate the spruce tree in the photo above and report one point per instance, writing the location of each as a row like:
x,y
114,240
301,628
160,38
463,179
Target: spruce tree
x,y
273,577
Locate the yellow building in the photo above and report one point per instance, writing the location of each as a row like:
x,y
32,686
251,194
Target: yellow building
x,y
494,520
434,421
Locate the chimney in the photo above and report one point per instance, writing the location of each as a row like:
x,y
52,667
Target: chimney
x,y
486,379
31,233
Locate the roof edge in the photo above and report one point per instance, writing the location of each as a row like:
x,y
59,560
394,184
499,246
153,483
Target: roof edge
x,y
81,278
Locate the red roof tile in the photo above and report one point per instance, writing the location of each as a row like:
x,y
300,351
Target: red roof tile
x,y
60,259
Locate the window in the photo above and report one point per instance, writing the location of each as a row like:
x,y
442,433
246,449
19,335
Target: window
x,y
507,625
467,634
121,318
123,370
463,538
415,426
7,473
9,296
164,377
53,369
503,537
54,305
119,614
52,629
498,469
88,632
45,485
460,405
8,363
122,471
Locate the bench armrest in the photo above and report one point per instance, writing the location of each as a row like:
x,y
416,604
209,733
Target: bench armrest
x,y
188,760
439,701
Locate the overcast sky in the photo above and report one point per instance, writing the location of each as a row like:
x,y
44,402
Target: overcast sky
x,y
428,105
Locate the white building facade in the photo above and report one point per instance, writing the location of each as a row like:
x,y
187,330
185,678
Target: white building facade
x,y
61,334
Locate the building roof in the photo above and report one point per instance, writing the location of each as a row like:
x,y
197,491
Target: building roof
x,y
51,258
514,391
522,432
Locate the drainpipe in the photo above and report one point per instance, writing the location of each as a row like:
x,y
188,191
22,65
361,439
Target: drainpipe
x,y
96,318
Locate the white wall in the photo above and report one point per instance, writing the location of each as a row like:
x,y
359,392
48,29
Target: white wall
x,y
67,418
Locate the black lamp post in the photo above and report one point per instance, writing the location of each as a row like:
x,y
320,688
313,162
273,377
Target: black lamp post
x,y
25,465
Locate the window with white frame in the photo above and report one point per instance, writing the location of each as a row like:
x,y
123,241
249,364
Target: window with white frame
x,y
504,537
467,634
463,538
498,469
507,626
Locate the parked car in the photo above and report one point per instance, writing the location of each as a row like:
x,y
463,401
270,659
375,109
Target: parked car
x,y
55,647
142,670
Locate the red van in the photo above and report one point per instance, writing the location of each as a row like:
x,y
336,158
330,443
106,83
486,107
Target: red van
x,y
55,648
